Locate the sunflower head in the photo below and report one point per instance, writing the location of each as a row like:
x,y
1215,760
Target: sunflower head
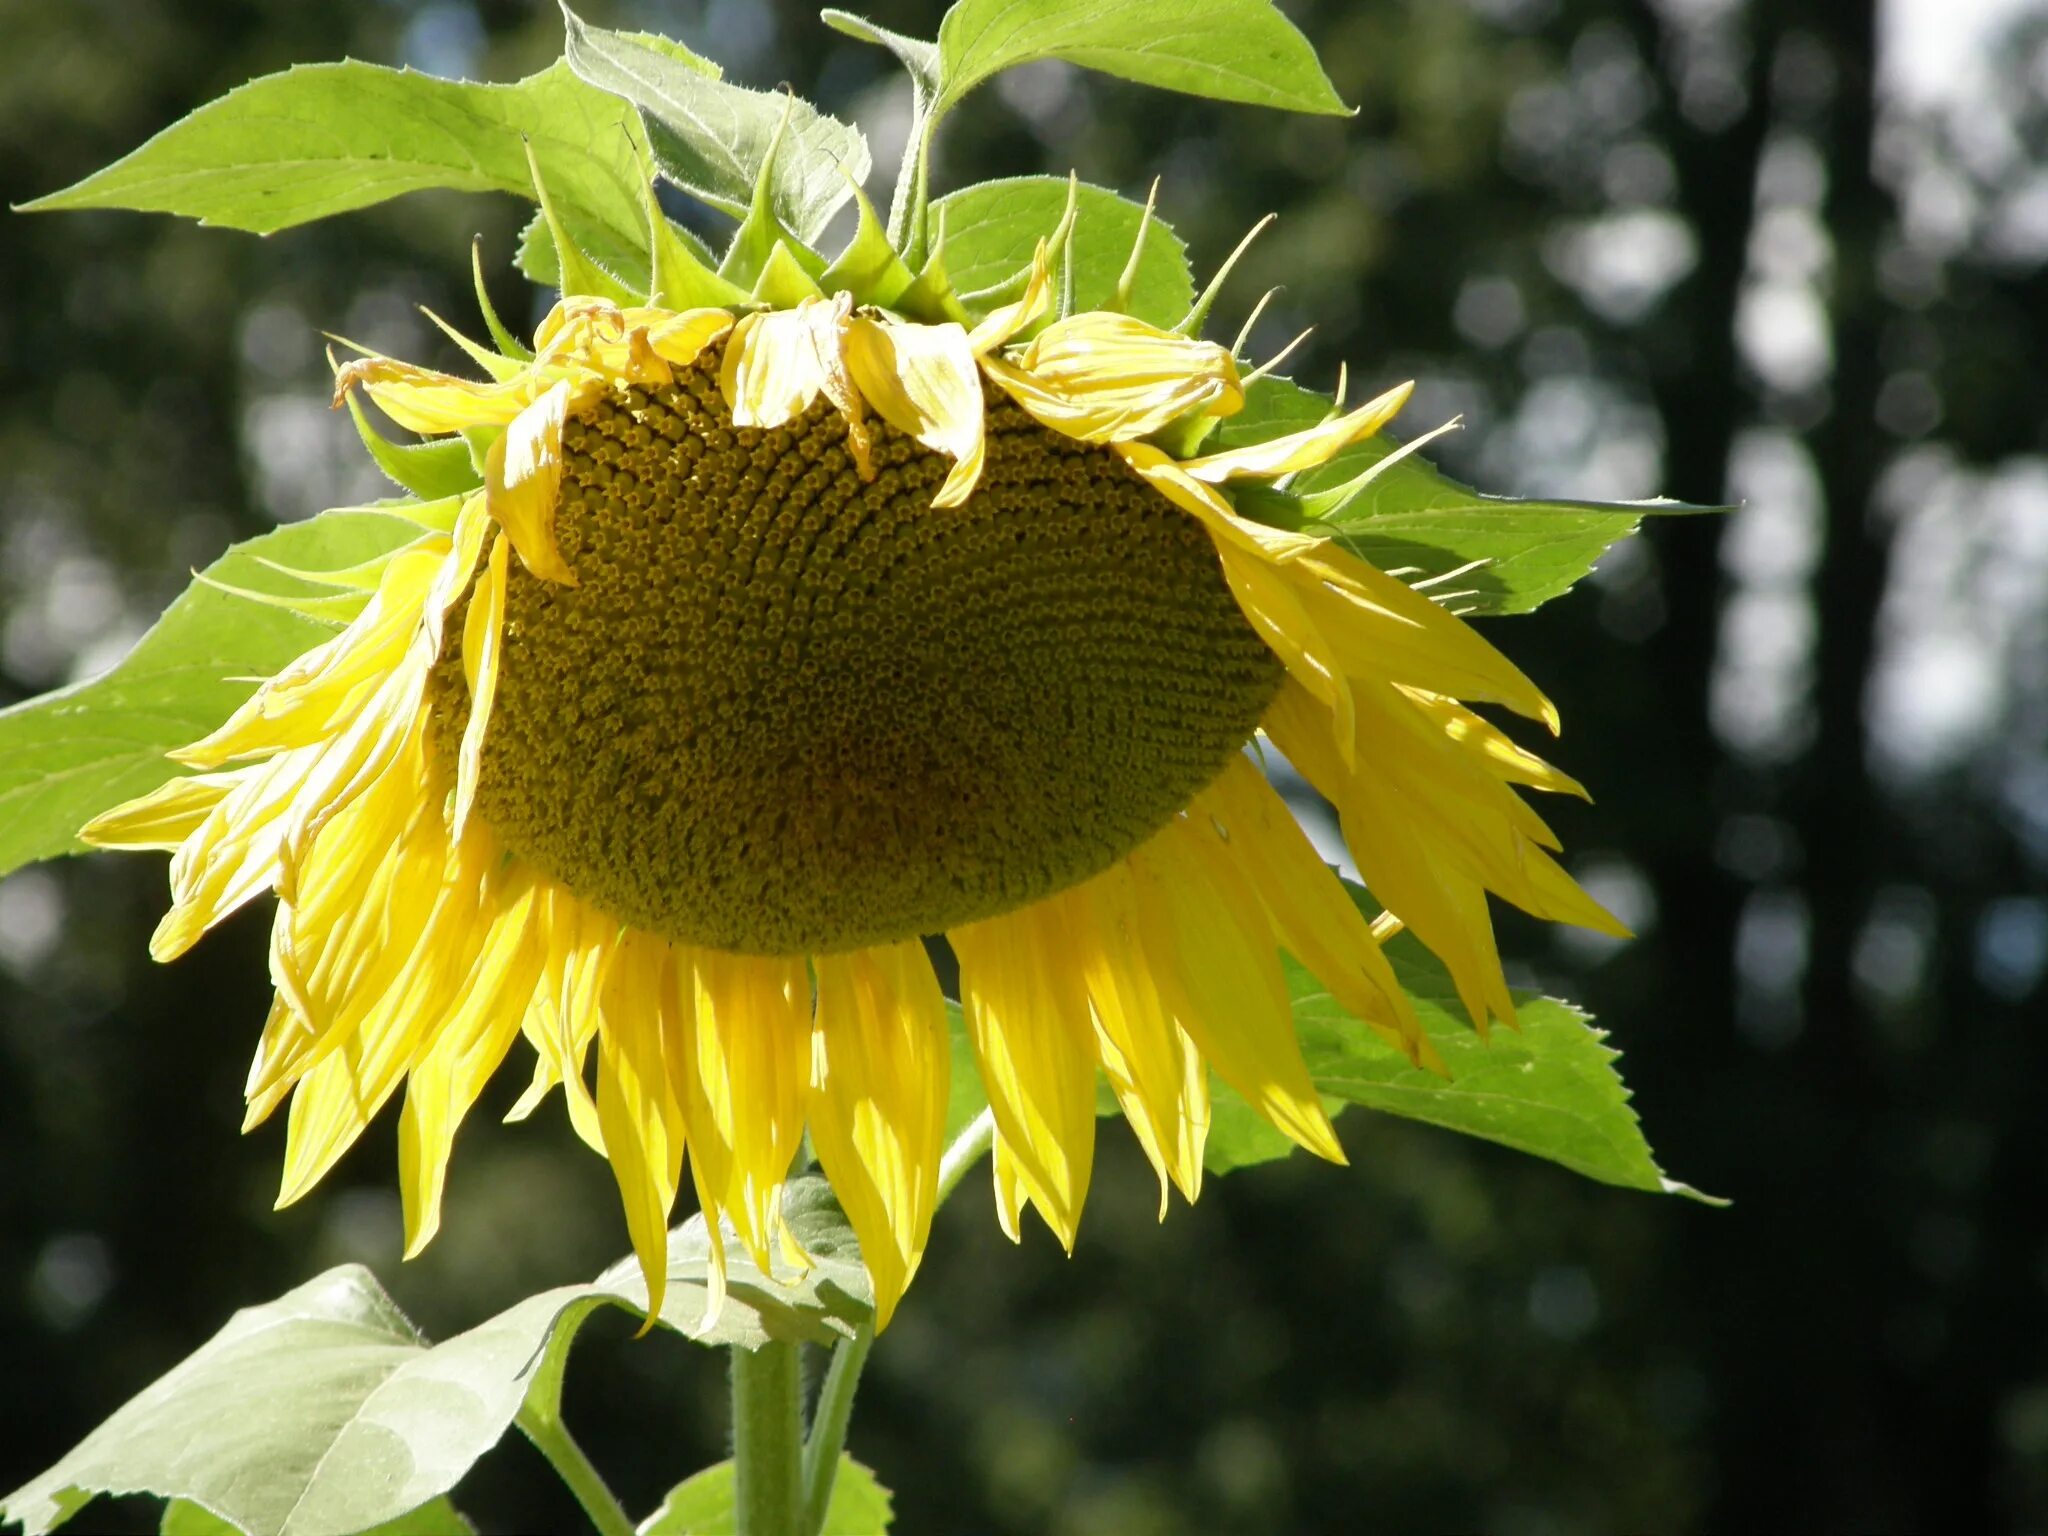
x,y
801,618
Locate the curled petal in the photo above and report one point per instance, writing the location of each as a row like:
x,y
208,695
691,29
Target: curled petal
x,y
1299,450
1106,378
523,479
923,381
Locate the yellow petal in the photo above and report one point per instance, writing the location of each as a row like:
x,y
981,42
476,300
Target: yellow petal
x,y
1300,450
1158,1076
1418,877
636,1106
523,481
1106,378
1311,914
421,400
164,817
878,1103
923,380
778,361
1027,1015
482,642
1213,955
681,338
468,1048
745,1068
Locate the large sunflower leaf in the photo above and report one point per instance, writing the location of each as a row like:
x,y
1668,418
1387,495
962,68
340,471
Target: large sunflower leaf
x,y
322,139
69,755
325,1410
713,139
1232,50
1478,554
707,1505
992,230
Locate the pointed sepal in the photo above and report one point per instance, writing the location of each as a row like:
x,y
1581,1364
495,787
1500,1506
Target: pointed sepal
x,y
501,336
581,277
682,276
869,267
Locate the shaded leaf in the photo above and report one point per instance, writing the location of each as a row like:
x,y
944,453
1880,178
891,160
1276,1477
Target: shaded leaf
x,y
325,1411
712,139
68,755
992,229
704,1505
1233,50
322,139
1476,554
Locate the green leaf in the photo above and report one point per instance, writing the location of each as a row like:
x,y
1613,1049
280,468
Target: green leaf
x,y
326,1411
436,1517
1476,554
713,139
69,755
967,1095
992,229
1549,1089
1232,50
703,1505
322,139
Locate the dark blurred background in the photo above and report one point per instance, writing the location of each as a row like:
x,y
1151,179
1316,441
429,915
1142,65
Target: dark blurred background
x,y
1786,252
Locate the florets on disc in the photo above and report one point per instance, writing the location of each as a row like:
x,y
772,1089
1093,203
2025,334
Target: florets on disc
x,y
786,709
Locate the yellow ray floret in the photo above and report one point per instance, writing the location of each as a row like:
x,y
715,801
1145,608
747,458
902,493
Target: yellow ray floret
x,y
414,941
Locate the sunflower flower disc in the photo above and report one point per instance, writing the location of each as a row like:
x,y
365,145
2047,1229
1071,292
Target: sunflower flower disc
x,y
786,709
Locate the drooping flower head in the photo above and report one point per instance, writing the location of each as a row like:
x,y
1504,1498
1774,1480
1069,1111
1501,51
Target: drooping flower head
x,y
792,631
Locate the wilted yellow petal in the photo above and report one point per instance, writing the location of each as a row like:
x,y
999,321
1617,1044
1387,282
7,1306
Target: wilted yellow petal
x,y
1106,378
523,480
923,380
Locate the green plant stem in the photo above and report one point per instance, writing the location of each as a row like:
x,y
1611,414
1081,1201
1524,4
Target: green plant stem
x,y
966,1151
767,1440
552,1439
828,1425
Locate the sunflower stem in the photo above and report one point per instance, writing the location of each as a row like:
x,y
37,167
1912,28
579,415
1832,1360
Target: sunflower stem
x,y
966,1151
828,1426
551,1437
767,1440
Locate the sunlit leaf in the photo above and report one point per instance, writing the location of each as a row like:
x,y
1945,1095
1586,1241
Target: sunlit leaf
x,y
1477,554
992,229
322,139
1234,50
712,139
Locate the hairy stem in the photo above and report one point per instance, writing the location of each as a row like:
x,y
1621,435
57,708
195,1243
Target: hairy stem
x,y
767,1439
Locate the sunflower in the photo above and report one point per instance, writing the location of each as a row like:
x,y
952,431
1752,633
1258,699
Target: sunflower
x,y
780,641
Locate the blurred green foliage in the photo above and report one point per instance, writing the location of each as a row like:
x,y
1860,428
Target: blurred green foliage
x,y
1680,249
